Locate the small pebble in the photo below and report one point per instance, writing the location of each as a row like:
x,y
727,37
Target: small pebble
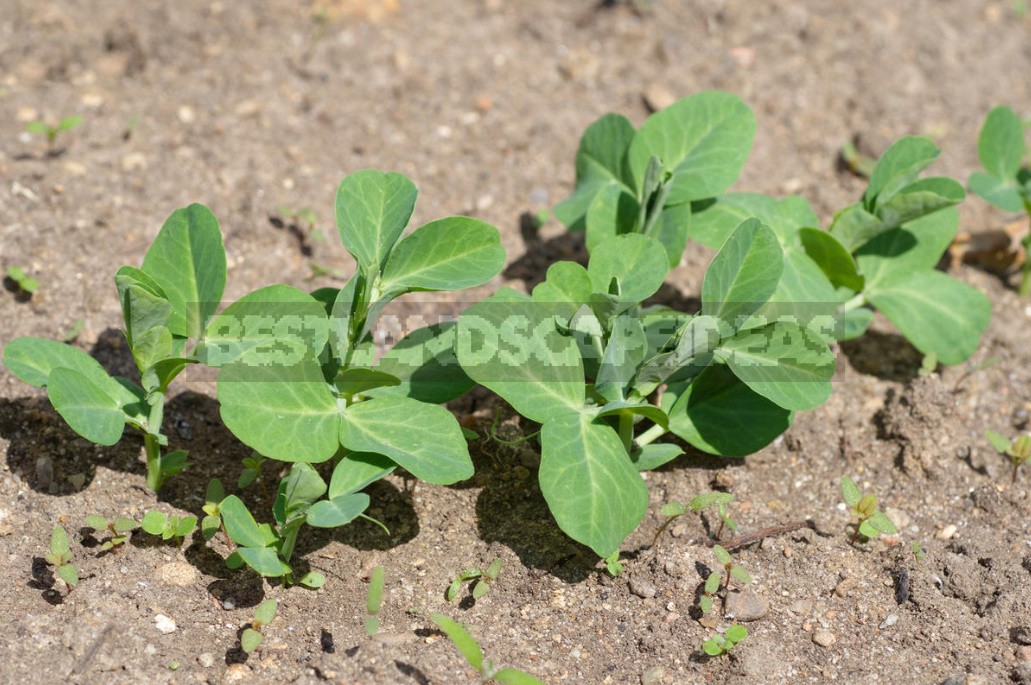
x,y
824,638
653,676
947,533
642,588
889,621
228,603
186,115
746,605
164,624
657,96
206,659
176,573
678,530
842,589
236,673
788,552
1024,653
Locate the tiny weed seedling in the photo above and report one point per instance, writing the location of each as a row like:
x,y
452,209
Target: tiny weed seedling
x,y
929,364
253,635
918,552
117,530
25,284
52,132
870,522
613,565
1006,180
252,472
722,643
168,527
471,651
211,523
1017,450
374,601
164,304
483,579
715,580
720,500
60,557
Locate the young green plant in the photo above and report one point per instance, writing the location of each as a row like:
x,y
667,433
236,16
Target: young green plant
x,y
168,527
52,132
26,284
722,643
720,500
164,304
870,522
60,557
470,649
1006,179
483,578
118,530
585,359
374,601
253,635
1017,450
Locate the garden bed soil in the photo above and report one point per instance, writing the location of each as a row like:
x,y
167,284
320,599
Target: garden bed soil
x,y
247,106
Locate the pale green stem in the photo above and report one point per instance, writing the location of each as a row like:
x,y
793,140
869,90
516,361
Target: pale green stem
x,y
651,435
855,303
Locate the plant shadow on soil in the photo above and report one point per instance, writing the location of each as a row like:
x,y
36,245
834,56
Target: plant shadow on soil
x,y
888,356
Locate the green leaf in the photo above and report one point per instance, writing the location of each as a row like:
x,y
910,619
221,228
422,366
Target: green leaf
x,y
448,254
612,212
461,638
375,597
1001,143
703,140
425,363
96,522
634,408
283,412
916,246
713,646
372,210
453,589
185,526
936,313
594,492
710,499
920,199
882,523
832,258
740,575
209,526
1001,443
852,324
743,274
371,625
672,230
867,529
215,493
600,164
265,612
59,542
147,313
854,225
480,589
358,380
567,284
513,676
850,492
654,455
69,574
264,561
514,349
93,411
721,415
721,554
339,511
356,471
637,262
187,260
173,462
736,633
712,583
154,522
425,439
672,509
898,167
298,491
241,526
32,360
1003,193
784,362
250,640
627,347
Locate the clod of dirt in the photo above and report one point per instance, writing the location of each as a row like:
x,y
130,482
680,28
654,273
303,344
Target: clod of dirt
x,y
746,605
176,573
642,588
921,420
824,638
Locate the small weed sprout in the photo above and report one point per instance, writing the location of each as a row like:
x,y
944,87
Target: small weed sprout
x,y
870,522
1017,450
212,521
252,472
722,643
470,649
118,530
731,568
483,578
613,565
712,586
25,284
253,636
719,500
374,601
168,527
918,552
60,557
52,132
929,364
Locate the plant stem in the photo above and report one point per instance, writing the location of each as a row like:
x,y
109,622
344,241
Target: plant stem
x,y
650,435
289,539
855,303
660,202
662,529
153,450
626,430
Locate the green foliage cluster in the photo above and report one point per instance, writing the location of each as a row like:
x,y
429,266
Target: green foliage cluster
x,y
1017,450
721,643
870,522
482,580
470,649
252,636
51,132
718,500
730,570
26,284
60,557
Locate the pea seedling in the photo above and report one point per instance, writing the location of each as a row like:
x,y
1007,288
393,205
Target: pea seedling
x,y
722,643
211,523
483,577
1006,180
1017,450
252,472
52,132
118,530
374,601
168,527
253,635
733,360
470,650
720,500
870,522
60,557
166,302
25,284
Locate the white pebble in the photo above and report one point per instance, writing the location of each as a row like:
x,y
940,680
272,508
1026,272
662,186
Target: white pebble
x,y
164,624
